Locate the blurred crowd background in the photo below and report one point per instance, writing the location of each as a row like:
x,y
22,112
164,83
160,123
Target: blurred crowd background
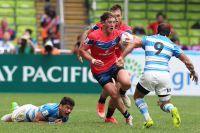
x,y
56,26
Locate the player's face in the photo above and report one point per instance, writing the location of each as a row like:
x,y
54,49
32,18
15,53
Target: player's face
x,y
65,109
160,18
118,15
109,25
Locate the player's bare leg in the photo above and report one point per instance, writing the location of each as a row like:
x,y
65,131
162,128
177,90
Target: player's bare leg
x,y
142,106
166,106
101,104
110,88
124,79
111,107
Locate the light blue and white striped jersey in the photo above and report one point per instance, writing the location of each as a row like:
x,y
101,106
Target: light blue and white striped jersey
x,y
158,51
49,111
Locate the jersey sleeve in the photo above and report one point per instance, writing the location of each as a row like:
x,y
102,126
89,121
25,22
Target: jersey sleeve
x,y
119,34
95,27
65,119
46,111
128,29
143,41
89,41
177,51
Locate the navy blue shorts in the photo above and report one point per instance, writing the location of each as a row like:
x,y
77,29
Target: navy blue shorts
x,y
106,76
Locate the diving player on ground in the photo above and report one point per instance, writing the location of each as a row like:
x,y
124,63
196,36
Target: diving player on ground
x,y
52,113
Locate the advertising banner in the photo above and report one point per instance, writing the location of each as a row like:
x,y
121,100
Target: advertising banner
x,y
65,74
46,73
181,84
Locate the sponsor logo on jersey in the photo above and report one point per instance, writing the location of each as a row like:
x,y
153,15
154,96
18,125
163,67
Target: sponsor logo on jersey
x,y
44,113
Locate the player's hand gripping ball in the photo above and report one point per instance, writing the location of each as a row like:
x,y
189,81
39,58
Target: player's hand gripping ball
x,y
124,37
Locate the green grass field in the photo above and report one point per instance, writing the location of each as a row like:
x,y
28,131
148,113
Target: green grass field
x,y
84,118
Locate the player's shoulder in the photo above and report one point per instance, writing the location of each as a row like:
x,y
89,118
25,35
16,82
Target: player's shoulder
x,y
99,24
165,39
125,25
51,106
94,34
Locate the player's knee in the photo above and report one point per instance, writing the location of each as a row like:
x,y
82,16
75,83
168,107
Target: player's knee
x,y
127,84
114,97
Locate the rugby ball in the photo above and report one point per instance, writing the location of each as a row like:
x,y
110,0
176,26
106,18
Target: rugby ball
x,y
124,36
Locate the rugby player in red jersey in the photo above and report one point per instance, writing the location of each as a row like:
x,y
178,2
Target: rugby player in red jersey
x,y
117,10
102,43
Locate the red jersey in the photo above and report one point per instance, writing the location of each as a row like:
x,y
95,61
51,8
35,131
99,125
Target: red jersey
x,y
103,48
123,26
154,26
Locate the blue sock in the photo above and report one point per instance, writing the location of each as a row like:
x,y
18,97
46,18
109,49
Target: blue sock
x,y
142,106
168,107
126,114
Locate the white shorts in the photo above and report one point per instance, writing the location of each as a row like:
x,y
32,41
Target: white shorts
x,y
158,81
19,115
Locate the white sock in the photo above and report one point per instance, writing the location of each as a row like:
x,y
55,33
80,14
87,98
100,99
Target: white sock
x,y
146,116
142,106
168,107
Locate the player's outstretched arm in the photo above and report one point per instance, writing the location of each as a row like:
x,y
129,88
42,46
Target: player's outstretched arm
x,y
189,66
39,118
131,44
85,34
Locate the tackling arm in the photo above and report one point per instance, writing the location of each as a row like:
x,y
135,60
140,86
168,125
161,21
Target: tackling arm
x,y
131,44
189,66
